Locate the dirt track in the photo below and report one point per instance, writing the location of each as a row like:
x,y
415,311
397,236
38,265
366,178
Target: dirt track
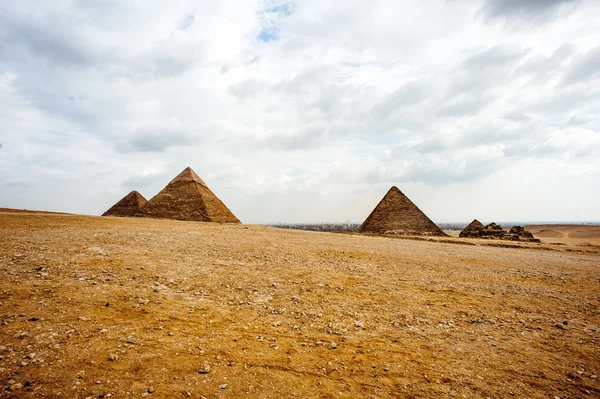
x,y
117,307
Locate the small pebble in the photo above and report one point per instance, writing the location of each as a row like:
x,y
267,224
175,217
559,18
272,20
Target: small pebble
x,y
205,369
223,386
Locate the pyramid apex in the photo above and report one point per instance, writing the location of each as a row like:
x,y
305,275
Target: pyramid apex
x,y
188,175
394,190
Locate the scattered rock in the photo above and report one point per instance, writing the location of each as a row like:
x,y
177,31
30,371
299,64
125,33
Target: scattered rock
x,y
205,368
15,387
560,326
223,386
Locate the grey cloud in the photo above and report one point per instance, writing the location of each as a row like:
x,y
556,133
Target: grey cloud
x,y
517,116
473,83
576,119
568,144
492,59
154,139
409,94
65,43
17,184
584,68
529,10
50,39
539,69
425,171
566,100
248,88
462,104
309,138
306,80
443,176
166,58
138,181
431,146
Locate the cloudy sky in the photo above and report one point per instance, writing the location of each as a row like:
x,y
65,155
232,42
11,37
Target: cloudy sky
x,y
305,110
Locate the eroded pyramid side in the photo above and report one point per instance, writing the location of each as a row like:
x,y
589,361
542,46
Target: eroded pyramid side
x,y
129,205
397,214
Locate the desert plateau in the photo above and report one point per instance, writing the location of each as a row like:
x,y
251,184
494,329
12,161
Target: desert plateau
x,y
97,307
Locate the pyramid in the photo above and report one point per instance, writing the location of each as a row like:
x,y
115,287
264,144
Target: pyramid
x,y
472,229
129,205
187,197
396,214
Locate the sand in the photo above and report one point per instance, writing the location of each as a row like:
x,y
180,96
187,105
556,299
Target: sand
x,y
132,307
568,234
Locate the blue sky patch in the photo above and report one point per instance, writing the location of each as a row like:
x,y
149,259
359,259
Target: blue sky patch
x,y
268,34
280,9
187,21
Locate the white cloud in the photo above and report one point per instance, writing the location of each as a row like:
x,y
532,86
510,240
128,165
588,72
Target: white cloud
x,y
303,111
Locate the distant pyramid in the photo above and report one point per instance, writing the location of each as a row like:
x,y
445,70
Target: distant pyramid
x,y
396,214
474,228
187,197
129,205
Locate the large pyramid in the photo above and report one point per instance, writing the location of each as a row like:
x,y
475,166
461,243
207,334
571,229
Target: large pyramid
x,y
396,214
187,197
129,205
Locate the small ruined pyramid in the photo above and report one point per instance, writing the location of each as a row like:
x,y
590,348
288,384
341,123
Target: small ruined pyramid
x,y
129,205
474,228
187,197
396,214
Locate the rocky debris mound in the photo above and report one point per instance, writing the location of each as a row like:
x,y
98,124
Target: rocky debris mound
x,y
187,197
473,229
397,214
477,230
128,205
494,231
518,233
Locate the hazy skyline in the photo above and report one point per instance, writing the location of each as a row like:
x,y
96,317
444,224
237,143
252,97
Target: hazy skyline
x,y
305,111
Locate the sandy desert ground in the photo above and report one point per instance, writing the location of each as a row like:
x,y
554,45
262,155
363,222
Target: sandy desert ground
x,y
96,307
568,234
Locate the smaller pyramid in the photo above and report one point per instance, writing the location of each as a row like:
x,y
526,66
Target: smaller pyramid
x,y
397,214
473,229
129,205
187,197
